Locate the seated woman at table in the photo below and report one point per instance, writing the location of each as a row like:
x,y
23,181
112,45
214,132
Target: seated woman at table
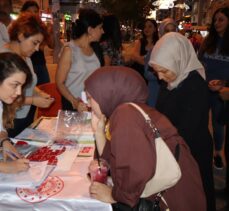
x,y
14,76
26,34
127,143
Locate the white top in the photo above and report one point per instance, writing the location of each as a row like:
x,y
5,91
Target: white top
x,y
82,67
4,36
24,110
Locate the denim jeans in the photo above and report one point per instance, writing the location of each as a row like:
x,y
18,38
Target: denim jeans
x,y
217,106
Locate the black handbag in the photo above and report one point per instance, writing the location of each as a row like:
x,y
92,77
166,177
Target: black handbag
x,y
142,205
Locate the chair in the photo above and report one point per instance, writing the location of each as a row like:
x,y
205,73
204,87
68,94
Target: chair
x,y
52,111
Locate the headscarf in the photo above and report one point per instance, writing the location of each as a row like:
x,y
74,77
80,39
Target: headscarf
x,y
164,23
111,86
176,53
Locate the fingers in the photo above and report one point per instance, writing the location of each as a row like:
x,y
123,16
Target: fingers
x,y
82,107
93,188
24,160
23,164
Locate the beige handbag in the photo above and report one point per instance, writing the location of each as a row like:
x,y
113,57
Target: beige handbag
x,y
167,172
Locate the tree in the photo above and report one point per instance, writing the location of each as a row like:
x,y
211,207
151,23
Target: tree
x,y
128,9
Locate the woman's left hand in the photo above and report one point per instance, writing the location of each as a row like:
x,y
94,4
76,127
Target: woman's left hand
x,y
98,124
101,192
216,85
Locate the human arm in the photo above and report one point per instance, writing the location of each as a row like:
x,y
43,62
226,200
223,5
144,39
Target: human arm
x,y
106,48
107,60
39,99
101,192
128,144
216,85
14,166
63,69
136,53
98,126
5,143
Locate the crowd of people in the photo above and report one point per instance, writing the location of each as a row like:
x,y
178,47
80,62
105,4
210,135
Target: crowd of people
x,y
172,80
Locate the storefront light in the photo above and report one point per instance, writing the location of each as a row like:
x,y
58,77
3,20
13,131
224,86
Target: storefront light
x,y
164,4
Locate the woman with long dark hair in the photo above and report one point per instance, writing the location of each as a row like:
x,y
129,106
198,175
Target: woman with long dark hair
x,y
79,59
15,75
111,41
144,45
214,54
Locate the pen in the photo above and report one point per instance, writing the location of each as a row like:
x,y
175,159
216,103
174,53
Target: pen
x,y
11,154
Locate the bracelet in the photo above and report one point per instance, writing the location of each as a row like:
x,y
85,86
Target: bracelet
x,y
4,140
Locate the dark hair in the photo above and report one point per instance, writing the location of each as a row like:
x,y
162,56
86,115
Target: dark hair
x,y
87,18
112,32
6,6
210,42
27,24
154,35
11,63
5,18
29,4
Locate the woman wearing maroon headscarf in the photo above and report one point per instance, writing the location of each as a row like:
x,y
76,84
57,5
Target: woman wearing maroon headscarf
x,y
128,143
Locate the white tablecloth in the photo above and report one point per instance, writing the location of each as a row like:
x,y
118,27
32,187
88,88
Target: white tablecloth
x,y
67,191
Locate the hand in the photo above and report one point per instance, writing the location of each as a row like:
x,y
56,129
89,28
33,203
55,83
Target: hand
x,y
42,102
224,93
98,127
7,145
101,192
79,105
16,166
98,123
216,85
44,94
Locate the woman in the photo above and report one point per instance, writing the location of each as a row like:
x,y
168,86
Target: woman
x,y
79,59
214,53
128,144
167,25
144,45
184,100
38,57
111,41
26,34
14,75
223,90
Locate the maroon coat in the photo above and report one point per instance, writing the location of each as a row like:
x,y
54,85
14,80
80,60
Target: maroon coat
x,y
131,154
131,150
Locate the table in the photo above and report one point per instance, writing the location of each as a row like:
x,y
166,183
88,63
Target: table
x,y
66,191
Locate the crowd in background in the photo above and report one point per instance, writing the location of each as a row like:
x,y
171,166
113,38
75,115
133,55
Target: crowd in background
x,y
176,78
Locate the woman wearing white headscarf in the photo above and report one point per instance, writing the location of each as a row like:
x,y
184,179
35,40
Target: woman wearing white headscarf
x,y
184,100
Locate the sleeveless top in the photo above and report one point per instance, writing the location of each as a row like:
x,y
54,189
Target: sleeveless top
x,y
81,67
1,122
24,110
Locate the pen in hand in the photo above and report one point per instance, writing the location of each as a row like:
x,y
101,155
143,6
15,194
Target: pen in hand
x,y
11,154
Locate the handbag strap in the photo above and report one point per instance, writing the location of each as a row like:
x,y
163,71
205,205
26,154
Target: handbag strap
x,y
147,118
155,130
